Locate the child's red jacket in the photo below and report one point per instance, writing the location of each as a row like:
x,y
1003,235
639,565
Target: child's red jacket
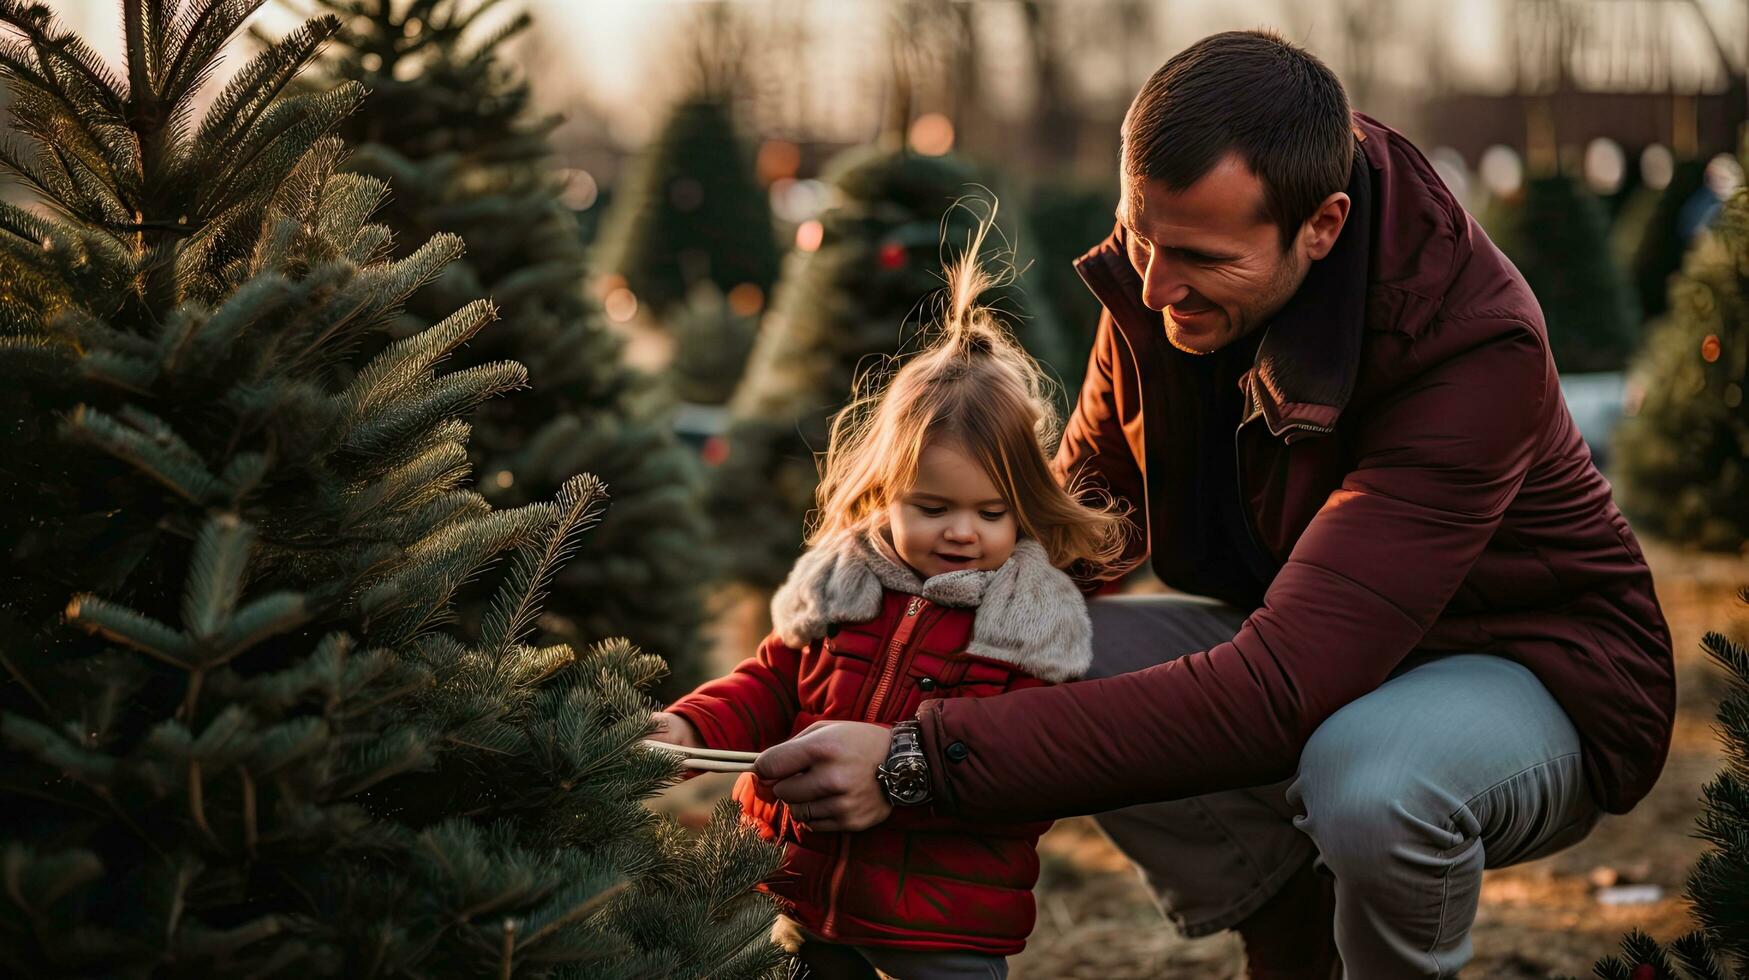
x,y
859,637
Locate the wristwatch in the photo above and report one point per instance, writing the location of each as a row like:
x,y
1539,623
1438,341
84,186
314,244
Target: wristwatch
x,y
904,777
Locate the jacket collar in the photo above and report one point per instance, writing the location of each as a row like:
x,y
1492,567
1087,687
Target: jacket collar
x,y
1309,357
1029,613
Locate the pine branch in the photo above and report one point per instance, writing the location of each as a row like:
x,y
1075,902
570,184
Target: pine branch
x,y
517,603
163,456
406,364
257,86
127,627
198,35
216,574
35,21
448,396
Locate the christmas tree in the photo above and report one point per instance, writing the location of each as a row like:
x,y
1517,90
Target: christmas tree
x,y
1555,232
1660,246
712,341
448,127
1065,220
1718,887
690,211
237,734
859,290
1682,456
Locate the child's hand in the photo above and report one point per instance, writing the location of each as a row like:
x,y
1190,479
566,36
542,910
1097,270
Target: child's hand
x,y
675,730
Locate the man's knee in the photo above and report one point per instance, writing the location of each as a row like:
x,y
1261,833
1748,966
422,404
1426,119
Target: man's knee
x,y
1369,812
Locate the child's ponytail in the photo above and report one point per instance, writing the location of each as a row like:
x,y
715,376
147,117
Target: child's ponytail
x,y
971,383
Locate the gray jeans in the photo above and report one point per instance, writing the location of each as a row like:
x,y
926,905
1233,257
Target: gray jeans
x,y
1458,762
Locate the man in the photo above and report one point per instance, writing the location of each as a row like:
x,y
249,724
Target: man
x,y
1429,642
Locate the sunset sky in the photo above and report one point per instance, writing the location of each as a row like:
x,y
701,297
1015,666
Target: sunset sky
x,y
612,53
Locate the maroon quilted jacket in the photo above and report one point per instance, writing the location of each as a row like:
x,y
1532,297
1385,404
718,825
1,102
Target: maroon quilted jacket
x,y
873,650
1410,465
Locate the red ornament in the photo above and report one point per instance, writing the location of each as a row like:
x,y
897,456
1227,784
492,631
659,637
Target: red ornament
x,y
715,451
1645,972
893,256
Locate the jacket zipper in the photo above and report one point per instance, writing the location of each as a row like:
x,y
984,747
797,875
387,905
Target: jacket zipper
x,y
889,672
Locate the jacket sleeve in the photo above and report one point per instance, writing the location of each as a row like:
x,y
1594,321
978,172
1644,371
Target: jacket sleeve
x,y
1436,468
752,708
1094,459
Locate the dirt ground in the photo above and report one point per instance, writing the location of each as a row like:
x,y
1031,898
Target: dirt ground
x,y
1536,920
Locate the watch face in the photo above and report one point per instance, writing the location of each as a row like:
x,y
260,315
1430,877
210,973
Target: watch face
x,y
907,782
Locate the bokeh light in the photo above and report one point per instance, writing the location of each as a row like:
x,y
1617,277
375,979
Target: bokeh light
x,y
1657,166
809,235
620,305
581,191
796,201
777,160
1501,170
932,134
746,299
1450,166
1606,166
1724,175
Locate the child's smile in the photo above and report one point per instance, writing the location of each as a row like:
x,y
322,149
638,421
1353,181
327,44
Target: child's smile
x,y
952,518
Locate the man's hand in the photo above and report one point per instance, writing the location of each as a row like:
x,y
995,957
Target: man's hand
x,y
827,774
675,730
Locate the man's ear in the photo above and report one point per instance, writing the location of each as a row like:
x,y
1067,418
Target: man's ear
x,y
1318,235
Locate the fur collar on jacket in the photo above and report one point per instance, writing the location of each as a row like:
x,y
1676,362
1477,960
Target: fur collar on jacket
x,y
1029,613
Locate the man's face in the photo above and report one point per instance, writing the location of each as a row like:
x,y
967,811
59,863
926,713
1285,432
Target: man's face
x,y
1209,256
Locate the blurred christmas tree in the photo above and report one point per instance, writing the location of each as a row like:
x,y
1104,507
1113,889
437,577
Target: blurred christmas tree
x,y
1064,220
237,739
1718,887
858,288
690,210
1682,457
1555,232
712,340
1659,248
447,125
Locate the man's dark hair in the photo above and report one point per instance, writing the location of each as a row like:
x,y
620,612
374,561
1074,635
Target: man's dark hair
x,y
1281,109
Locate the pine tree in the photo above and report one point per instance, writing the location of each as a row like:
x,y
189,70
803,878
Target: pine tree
x,y
1659,248
690,211
447,124
1718,887
863,293
712,341
1556,234
237,736
1064,220
1682,457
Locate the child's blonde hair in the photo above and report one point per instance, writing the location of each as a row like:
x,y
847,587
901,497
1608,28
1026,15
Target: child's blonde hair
x,y
974,385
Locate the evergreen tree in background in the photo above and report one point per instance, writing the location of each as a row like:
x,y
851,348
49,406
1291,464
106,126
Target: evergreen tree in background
x,y
1065,220
712,341
1658,250
1682,459
863,293
689,211
237,739
1718,887
447,124
1556,234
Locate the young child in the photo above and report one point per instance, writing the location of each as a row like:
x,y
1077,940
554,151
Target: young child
x,y
933,572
